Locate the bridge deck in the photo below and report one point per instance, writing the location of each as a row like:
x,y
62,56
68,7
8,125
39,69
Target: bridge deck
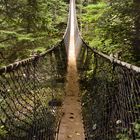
x,y
71,125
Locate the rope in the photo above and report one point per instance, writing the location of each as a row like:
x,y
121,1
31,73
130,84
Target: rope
x,y
111,91
31,96
31,93
111,96
77,38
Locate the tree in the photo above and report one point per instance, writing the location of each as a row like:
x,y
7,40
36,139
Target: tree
x,y
136,39
115,28
26,25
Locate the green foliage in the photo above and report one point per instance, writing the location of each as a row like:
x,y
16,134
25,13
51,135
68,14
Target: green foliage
x,y
123,137
26,25
113,27
137,129
126,136
89,21
3,132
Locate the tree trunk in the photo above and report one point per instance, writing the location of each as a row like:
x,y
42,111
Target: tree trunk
x,y
136,41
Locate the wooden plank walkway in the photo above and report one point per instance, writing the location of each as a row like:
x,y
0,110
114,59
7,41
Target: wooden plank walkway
x,y
71,127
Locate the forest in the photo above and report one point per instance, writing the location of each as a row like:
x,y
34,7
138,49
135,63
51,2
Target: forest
x,y
30,26
112,26
36,69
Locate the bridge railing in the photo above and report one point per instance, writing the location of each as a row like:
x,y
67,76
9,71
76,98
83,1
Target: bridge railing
x,y
31,95
77,37
111,96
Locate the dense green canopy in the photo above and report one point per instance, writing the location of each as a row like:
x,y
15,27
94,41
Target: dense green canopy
x,y
28,26
113,26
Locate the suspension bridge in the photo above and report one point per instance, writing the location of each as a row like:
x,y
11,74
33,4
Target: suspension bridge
x,y
71,91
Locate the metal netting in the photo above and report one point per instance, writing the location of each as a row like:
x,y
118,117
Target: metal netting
x,y
111,97
31,96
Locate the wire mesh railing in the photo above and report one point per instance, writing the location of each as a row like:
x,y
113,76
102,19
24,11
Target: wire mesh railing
x,y
31,96
111,96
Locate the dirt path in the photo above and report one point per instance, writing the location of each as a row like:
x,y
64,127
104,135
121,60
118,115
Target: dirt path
x,y
71,127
